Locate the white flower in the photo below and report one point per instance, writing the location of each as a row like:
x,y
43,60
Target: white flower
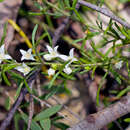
x,y
70,58
52,53
118,65
26,55
51,72
67,70
3,56
23,69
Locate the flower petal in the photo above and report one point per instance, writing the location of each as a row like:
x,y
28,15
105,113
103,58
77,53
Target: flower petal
x,y
51,72
23,52
32,58
63,57
29,50
19,68
2,49
67,70
74,59
71,53
7,56
48,57
50,50
55,48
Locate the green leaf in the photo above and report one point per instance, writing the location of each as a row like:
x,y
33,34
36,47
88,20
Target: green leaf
x,y
53,79
9,67
61,4
124,91
16,120
15,75
7,103
61,125
67,3
116,75
4,33
6,79
28,88
34,34
54,91
99,88
18,90
38,6
34,125
46,124
96,50
93,72
127,120
47,113
74,3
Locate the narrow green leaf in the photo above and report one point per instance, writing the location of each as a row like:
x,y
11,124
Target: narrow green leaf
x,y
124,91
61,125
67,3
16,120
9,67
28,88
93,72
15,75
74,3
4,33
47,113
53,79
46,124
51,93
99,88
18,90
127,120
34,125
6,79
7,103
96,50
34,34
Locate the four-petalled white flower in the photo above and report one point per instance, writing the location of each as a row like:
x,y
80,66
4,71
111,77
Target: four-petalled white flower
x,y
27,55
69,58
51,72
23,69
3,56
52,53
118,65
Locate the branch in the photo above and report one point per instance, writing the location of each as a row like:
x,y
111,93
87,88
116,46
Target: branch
x,y
17,103
106,12
98,120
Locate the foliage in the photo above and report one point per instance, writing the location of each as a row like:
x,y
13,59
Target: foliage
x,y
65,67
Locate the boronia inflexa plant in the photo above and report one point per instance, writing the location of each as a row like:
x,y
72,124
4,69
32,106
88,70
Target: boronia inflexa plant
x,y
53,53
91,38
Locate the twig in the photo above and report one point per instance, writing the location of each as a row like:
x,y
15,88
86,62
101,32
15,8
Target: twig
x,y
31,111
98,120
38,84
106,12
17,103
